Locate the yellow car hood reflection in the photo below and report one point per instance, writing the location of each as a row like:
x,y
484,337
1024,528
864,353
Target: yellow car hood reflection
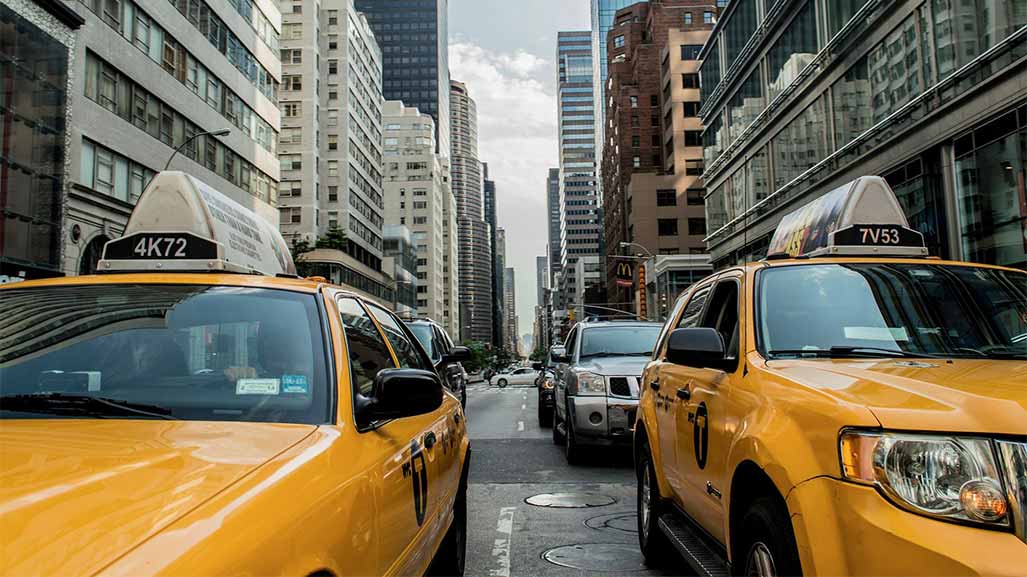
x,y
75,495
965,395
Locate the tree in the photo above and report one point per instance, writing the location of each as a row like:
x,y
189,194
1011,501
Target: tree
x,y
480,357
299,248
502,359
539,354
335,239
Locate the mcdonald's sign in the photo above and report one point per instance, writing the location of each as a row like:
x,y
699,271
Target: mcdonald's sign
x,y
624,274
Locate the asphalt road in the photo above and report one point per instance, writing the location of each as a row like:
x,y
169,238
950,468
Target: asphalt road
x,y
514,460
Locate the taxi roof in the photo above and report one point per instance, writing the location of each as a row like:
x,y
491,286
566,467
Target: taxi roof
x,y
803,261
177,278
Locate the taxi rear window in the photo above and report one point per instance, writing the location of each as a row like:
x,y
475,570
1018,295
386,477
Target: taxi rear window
x,y
214,353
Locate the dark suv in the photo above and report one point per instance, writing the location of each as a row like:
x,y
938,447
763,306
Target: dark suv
x,y
444,354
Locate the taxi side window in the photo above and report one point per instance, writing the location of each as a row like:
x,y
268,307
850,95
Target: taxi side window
x,y
572,340
722,315
693,310
368,352
407,354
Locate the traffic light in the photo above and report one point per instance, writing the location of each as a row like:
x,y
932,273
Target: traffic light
x,y
570,316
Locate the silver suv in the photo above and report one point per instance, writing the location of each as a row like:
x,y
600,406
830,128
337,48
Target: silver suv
x,y
598,373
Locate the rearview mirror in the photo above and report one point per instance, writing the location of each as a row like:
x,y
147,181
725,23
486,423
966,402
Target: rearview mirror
x,y
456,355
696,347
558,354
400,393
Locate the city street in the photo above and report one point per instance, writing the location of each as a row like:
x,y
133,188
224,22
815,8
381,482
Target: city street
x,y
514,460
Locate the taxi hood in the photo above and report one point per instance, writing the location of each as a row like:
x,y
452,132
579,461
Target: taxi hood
x,y
957,395
75,495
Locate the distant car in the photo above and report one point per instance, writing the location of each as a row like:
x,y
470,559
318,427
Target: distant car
x,y
516,376
546,382
444,354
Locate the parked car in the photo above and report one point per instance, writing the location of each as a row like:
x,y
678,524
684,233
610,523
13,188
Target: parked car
x,y
597,382
514,376
444,354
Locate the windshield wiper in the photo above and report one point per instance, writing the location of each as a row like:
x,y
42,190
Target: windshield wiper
x,y
61,403
843,352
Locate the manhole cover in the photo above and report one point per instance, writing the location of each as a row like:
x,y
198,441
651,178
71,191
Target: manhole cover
x,y
613,557
624,522
570,500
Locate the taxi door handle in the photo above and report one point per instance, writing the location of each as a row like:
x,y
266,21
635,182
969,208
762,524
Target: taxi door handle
x,y
429,440
684,393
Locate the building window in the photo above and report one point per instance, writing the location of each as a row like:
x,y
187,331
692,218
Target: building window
x,y
636,161
333,168
333,194
694,196
634,121
290,162
297,8
333,67
292,109
690,109
667,197
793,50
693,138
635,141
333,17
667,226
634,101
697,226
694,167
333,41
618,41
707,17
690,51
292,82
688,18
288,215
689,81
333,142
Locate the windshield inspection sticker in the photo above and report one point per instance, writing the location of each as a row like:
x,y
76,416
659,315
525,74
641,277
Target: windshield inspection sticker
x,y
256,387
295,384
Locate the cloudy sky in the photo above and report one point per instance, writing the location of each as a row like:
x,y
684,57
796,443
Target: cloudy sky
x,y
505,51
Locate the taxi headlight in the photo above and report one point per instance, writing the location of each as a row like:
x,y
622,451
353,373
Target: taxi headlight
x,y
952,478
591,384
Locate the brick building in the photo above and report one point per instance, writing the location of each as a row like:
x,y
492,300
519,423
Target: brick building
x,y
652,150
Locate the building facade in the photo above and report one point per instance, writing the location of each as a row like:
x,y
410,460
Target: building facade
x,y
330,152
553,211
474,252
154,77
36,56
414,38
603,13
652,154
510,337
400,263
418,196
492,217
581,237
930,95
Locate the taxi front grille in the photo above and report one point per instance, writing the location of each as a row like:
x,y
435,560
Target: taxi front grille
x,y
1014,461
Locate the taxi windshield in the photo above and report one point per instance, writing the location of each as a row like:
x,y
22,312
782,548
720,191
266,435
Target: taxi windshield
x,y
892,309
212,353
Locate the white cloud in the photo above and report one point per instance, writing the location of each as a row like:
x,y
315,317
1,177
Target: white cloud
x,y
517,137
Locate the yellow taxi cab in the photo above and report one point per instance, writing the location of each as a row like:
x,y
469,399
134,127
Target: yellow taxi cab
x,y
200,410
848,406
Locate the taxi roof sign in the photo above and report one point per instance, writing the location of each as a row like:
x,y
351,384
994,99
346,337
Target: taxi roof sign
x,y
859,218
182,224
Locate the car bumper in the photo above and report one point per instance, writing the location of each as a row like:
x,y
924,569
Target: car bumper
x,y
603,420
844,529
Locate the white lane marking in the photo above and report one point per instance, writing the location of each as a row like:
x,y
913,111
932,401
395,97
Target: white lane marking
x,y
501,546
524,407
520,425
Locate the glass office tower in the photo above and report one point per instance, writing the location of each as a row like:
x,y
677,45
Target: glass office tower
x,y
603,12
414,38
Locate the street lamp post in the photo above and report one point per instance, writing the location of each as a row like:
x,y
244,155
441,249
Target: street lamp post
x,y
221,132
648,256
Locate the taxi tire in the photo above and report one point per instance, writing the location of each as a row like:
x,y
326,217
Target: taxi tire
x,y
452,555
767,522
655,547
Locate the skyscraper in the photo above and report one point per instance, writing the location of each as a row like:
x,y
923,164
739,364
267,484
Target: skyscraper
x,y
553,206
511,339
580,223
331,146
414,38
491,217
475,254
603,12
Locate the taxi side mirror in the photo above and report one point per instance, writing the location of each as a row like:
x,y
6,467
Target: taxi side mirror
x,y
696,347
456,355
401,393
559,355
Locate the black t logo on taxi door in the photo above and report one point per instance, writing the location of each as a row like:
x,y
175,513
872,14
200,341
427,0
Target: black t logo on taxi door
x,y
420,480
701,435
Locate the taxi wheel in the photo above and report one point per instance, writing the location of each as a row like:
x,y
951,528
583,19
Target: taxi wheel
x,y
767,543
449,562
654,544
